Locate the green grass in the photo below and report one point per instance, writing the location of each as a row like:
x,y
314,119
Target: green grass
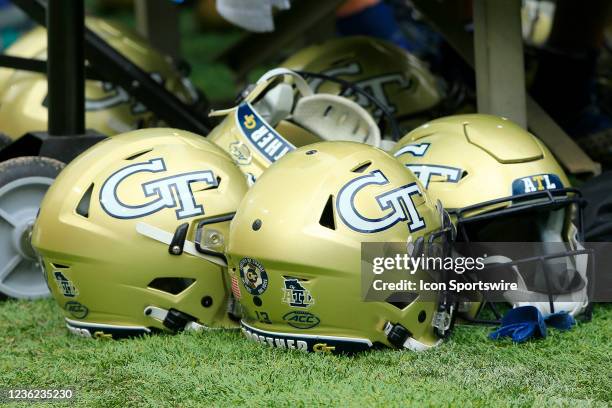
x,y
221,368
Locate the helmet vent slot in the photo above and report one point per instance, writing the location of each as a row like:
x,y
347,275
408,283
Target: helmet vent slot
x,y
59,266
295,277
173,286
327,216
401,300
83,206
362,167
203,186
137,155
342,61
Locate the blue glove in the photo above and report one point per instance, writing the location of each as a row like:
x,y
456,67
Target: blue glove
x,y
521,324
560,321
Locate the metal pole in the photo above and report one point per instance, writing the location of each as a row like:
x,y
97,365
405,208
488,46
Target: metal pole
x,y
66,67
500,70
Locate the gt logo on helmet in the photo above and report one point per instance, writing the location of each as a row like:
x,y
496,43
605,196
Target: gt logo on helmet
x,y
167,192
416,150
376,85
424,172
397,204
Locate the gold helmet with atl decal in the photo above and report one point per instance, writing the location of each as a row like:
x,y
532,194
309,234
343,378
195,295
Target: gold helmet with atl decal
x,y
304,290
132,234
501,184
397,79
273,119
109,109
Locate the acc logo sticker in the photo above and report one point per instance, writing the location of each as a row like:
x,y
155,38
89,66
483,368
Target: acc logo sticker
x,y
241,153
397,204
301,320
76,309
268,142
539,182
296,295
65,285
254,276
166,192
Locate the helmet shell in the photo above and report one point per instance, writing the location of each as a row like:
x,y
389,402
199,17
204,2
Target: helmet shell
x,y
86,232
293,230
109,109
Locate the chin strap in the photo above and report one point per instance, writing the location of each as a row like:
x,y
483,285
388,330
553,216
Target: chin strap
x,y
167,238
173,319
401,337
264,83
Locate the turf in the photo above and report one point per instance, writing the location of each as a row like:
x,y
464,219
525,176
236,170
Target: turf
x,y
222,368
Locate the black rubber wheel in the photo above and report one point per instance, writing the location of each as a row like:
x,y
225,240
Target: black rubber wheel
x,y
23,184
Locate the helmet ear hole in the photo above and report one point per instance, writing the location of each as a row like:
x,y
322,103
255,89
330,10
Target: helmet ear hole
x,y
83,206
173,286
327,216
401,300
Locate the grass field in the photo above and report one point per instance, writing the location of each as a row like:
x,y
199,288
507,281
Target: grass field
x,y
221,368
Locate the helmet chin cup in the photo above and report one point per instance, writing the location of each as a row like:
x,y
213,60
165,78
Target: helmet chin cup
x,y
300,83
279,94
334,117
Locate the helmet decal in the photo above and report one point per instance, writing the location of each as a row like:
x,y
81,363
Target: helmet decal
x,y
253,275
295,294
65,285
374,85
301,320
538,182
262,136
169,192
240,153
305,342
424,172
398,201
416,150
76,309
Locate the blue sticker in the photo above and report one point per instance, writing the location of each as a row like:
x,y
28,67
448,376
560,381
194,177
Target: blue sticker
x,y
253,275
267,141
295,294
535,183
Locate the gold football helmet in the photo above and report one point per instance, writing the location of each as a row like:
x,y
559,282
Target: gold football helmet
x,y
132,234
109,109
273,119
501,184
304,290
397,79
